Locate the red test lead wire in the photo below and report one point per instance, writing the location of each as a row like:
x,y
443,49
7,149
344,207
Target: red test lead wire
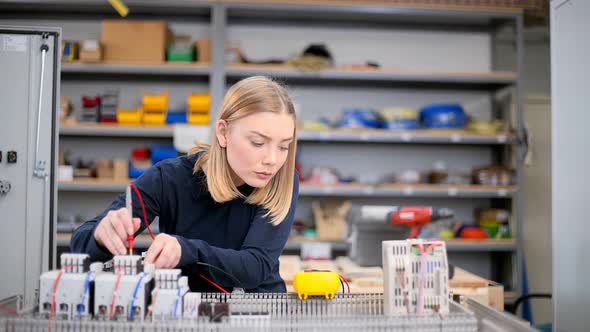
x,y
114,301
147,225
53,294
9,310
214,284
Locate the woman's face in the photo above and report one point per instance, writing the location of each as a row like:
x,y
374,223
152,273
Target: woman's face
x,y
257,146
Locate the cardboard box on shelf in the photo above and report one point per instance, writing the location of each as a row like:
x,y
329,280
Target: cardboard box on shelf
x,y
203,50
134,41
330,219
104,169
121,169
91,51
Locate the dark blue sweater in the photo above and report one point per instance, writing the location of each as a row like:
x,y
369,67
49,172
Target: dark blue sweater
x,y
233,236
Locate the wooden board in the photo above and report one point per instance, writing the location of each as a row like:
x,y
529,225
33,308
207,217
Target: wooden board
x,y
477,288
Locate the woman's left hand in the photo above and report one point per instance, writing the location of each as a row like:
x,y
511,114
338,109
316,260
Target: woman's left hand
x,y
164,252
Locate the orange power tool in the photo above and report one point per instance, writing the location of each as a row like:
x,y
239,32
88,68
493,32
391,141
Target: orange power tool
x,y
414,217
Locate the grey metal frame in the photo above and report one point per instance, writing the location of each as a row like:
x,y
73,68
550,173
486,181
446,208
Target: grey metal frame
x,y
48,198
517,271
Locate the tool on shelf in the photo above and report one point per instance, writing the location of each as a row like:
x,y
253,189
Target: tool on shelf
x,y
414,217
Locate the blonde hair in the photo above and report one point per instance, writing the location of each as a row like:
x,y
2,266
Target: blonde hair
x,y
248,96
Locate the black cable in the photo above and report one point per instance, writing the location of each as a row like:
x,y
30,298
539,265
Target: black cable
x,y
529,296
342,284
224,272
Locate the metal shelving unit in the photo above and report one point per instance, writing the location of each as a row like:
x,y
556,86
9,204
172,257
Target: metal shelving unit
x,y
272,11
92,186
114,130
274,14
324,136
492,80
221,14
388,190
406,136
403,190
143,241
167,69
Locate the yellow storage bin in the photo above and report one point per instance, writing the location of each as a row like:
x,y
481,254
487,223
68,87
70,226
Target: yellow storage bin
x,y
154,117
153,102
154,108
129,116
198,118
198,102
316,283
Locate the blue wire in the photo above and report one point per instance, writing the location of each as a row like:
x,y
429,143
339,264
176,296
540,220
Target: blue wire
x,y
135,295
177,302
86,288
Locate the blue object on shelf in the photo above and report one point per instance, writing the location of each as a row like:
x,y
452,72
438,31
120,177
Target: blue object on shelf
x,y
347,179
160,152
134,173
176,117
443,116
324,120
360,118
401,124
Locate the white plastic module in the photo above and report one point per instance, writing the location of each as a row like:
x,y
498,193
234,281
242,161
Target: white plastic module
x,y
125,293
168,295
416,277
190,308
129,265
72,290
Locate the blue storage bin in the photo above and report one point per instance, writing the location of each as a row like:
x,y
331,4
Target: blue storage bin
x,y
401,125
443,116
160,152
360,118
176,117
134,173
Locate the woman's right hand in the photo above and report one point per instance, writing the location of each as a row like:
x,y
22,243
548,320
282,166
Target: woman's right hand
x,y
111,232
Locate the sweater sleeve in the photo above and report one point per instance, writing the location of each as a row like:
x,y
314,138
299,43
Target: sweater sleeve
x,y
253,263
150,188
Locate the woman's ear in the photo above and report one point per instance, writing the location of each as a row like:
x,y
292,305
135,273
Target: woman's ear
x,y
221,132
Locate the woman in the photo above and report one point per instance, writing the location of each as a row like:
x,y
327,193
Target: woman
x,y
229,205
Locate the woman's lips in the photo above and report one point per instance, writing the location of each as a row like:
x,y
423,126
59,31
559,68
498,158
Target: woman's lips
x,y
263,175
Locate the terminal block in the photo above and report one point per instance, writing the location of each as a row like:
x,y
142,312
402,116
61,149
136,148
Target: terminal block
x,y
190,307
416,277
68,293
125,293
128,265
168,294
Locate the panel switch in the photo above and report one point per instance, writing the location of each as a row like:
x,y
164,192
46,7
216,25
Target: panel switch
x,y
11,157
4,187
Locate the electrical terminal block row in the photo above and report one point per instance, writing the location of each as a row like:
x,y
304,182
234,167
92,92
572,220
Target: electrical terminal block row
x,y
68,293
125,293
167,278
75,263
128,265
415,277
168,295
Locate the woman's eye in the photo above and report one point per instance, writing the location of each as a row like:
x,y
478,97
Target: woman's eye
x,y
284,148
256,144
